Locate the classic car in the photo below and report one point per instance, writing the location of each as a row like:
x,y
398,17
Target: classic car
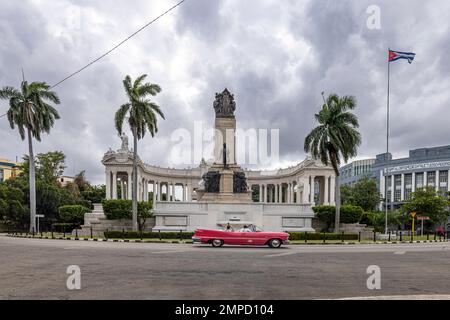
x,y
249,235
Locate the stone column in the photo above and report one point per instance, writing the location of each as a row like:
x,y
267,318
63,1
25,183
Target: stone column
x,y
154,191
108,184
129,185
260,193
114,185
326,191
266,193
173,191
276,193
425,180
332,190
184,192
402,197
189,193
413,181
146,189
306,192
312,187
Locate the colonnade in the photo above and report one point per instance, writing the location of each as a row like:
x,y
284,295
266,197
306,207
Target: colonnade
x,y
160,190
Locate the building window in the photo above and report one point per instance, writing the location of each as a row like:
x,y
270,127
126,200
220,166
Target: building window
x,y
397,188
408,185
419,181
431,179
1,175
443,181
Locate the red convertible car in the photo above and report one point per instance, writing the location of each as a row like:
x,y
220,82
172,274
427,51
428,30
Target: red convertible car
x,y
250,235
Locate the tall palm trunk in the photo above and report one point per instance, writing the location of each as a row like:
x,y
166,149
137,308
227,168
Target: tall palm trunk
x,y
32,184
337,219
135,184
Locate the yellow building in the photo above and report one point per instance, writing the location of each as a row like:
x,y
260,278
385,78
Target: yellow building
x,y
9,169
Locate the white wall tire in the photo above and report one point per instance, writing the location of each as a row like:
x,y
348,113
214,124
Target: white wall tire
x,y
217,243
274,243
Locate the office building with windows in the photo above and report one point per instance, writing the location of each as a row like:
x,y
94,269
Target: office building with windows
x,y
397,178
353,172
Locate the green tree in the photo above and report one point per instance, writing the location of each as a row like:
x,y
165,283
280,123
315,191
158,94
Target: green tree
x,y
335,137
363,193
30,111
378,220
13,208
48,166
428,202
142,116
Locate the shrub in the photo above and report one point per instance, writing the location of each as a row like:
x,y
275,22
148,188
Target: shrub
x,y
319,236
63,227
326,215
188,235
72,214
148,235
121,209
117,209
368,218
351,214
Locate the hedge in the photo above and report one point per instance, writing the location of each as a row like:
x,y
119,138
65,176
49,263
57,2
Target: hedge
x,y
188,235
319,236
72,214
147,235
116,209
64,227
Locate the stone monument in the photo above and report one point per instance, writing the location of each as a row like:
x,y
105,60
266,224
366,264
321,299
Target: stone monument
x,y
225,181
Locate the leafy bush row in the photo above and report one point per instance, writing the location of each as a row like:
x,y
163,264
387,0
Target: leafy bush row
x,y
148,235
188,235
320,236
73,214
121,209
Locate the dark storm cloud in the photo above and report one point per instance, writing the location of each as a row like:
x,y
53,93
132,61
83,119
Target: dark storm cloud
x,y
276,57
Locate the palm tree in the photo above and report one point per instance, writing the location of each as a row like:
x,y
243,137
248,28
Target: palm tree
x,y
30,111
142,115
335,137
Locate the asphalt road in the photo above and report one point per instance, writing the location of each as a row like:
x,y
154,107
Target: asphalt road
x,y
36,269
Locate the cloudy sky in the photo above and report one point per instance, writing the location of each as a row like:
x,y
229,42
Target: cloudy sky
x,y
276,56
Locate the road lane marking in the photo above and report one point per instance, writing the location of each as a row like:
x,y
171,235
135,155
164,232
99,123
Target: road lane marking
x,y
171,251
281,254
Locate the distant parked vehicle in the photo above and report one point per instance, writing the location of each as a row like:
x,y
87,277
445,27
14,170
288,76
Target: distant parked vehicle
x,y
250,235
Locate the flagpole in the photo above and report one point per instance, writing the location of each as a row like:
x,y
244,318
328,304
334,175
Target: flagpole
x,y
387,146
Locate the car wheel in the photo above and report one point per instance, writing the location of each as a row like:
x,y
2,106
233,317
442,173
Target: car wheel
x,y
217,243
275,243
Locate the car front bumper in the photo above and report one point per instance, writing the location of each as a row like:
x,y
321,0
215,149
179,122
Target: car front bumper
x,y
196,240
286,242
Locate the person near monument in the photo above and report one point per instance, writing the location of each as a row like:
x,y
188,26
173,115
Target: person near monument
x,y
229,227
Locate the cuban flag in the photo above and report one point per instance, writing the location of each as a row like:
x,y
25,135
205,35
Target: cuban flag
x,y
396,55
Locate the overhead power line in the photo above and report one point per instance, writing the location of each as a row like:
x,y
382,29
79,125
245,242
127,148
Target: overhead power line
x,y
115,47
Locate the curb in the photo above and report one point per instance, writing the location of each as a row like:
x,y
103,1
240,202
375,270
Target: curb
x,y
191,242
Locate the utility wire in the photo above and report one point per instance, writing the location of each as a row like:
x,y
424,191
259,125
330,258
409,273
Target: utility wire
x,y
115,47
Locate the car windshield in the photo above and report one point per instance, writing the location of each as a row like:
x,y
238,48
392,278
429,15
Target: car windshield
x,y
250,228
